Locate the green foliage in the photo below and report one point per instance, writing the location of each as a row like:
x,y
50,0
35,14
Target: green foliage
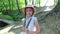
x,y
21,3
5,17
55,1
18,17
9,9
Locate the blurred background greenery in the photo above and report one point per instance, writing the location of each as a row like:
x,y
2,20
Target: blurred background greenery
x,y
11,9
47,13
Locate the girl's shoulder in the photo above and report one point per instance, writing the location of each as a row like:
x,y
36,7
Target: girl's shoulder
x,y
35,18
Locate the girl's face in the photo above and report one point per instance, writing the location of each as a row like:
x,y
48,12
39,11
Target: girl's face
x,y
29,12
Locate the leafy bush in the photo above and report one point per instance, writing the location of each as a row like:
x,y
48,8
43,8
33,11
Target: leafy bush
x,y
5,17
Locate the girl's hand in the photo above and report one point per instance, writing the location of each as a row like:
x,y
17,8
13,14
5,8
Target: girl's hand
x,y
26,30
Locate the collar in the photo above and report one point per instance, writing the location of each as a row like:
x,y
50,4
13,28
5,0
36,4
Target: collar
x,y
29,17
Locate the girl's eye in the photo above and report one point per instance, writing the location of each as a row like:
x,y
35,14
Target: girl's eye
x,y
29,10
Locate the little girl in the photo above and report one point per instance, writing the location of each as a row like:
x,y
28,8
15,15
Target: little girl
x,y
30,23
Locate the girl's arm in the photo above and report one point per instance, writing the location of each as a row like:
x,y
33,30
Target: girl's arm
x,y
37,26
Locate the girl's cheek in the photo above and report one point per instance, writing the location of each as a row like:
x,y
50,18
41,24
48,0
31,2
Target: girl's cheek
x,y
30,13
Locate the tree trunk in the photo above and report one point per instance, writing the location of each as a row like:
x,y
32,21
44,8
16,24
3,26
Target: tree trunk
x,y
18,7
9,5
57,8
25,2
39,3
12,9
33,2
9,11
4,11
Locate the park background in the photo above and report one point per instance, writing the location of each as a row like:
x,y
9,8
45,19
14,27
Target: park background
x,y
47,13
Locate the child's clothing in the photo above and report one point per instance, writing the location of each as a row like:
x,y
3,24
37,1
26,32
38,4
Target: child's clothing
x,y
23,32
31,26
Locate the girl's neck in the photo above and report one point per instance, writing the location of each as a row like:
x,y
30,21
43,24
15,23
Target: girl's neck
x,y
29,16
